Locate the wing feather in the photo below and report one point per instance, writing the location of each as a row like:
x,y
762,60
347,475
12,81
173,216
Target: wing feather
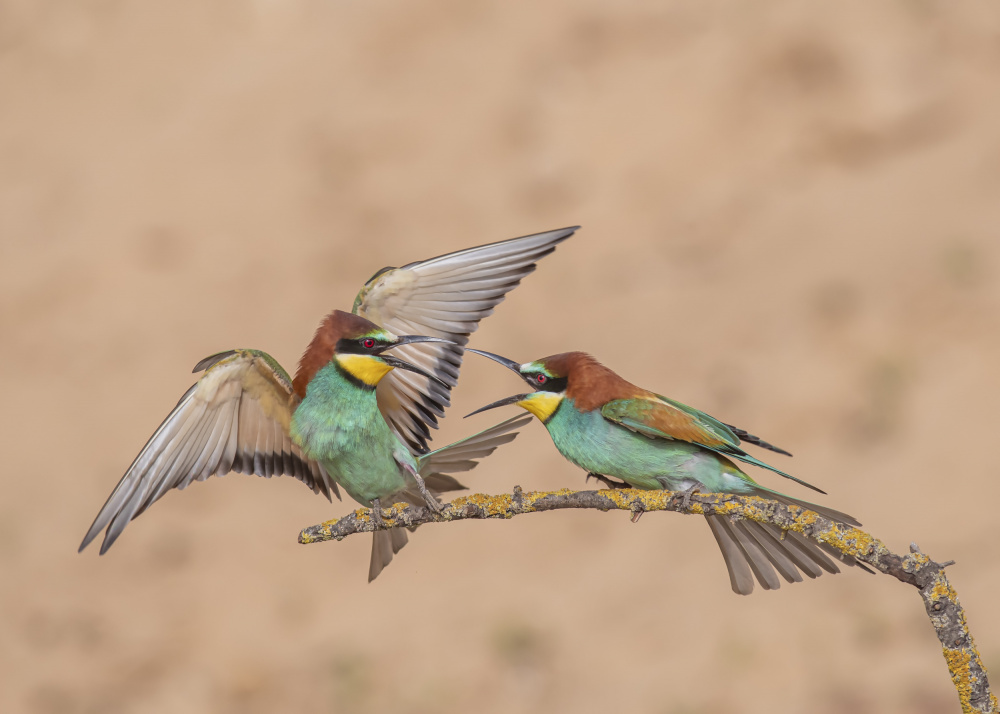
x,y
447,297
464,455
235,418
657,417
661,418
216,444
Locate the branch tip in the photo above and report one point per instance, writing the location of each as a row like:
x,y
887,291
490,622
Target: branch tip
x,y
940,600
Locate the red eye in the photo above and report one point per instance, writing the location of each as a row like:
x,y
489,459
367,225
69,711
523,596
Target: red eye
x,y
368,342
541,379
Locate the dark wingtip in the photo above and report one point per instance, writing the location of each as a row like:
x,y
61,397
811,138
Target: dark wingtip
x,y
809,485
211,360
744,435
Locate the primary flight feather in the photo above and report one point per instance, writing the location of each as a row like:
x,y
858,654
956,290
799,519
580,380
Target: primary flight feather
x,y
247,415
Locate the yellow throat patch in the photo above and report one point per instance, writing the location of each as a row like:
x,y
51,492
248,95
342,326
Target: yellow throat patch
x,y
541,404
364,368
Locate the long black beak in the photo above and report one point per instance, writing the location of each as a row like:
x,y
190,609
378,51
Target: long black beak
x,y
508,363
411,339
400,364
502,403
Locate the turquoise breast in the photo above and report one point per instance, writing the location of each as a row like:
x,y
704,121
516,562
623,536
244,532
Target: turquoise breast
x,y
339,425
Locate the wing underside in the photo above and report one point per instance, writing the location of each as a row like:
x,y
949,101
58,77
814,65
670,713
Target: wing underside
x,y
235,418
446,297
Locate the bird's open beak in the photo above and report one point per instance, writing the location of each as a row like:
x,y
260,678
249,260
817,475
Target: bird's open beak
x,y
502,403
400,364
508,363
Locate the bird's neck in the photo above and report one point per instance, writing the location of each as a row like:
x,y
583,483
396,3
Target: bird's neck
x,y
565,413
362,370
543,405
338,419
334,385
334,404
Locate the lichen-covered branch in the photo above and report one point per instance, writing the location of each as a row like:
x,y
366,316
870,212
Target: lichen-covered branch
x,y
914,568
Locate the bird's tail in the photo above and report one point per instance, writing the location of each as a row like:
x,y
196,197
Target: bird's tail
x,y
434,467
756,550
385,544
828,513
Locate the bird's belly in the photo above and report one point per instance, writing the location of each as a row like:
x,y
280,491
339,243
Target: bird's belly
x,y
599,446
366,476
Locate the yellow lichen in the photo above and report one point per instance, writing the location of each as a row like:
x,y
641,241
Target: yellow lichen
x,y
847,539
942,590
958,665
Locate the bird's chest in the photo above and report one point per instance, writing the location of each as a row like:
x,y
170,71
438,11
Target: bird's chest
x,y
340,425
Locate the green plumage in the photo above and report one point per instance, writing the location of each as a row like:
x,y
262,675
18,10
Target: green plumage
x,y
635,414
593,443
616,441
339,425
709,423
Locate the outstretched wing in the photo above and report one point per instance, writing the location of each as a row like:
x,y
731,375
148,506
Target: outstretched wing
x,y
444,297
235,418
662,418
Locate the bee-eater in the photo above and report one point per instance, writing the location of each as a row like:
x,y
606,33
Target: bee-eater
x,y
612,428
352,416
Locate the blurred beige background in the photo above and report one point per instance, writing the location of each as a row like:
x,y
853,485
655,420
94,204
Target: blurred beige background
x,y
790,219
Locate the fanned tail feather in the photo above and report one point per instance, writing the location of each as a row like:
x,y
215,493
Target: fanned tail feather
x,y
758,551
829,513
384,545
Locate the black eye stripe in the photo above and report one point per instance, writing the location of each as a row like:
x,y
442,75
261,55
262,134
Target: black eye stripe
x,y
355,345
547,383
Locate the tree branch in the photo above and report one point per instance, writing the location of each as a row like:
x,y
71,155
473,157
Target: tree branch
x,y
940,600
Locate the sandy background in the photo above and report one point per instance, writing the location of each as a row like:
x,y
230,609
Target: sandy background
x,y
791,216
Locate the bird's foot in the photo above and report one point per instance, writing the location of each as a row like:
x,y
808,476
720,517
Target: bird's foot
x,y
608,483
376,510
685,496
429,499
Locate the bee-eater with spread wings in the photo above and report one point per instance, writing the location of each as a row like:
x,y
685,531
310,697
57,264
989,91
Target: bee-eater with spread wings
x,y
352,416
610,427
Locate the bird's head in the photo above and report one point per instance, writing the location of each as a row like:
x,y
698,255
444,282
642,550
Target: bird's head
x,y
357,347
550,378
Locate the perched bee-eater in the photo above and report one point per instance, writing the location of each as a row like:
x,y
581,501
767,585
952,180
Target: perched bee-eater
x,y
352,416
612,428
